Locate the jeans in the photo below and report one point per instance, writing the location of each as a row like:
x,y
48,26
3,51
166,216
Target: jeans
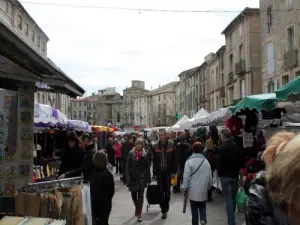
x,y
230,188
164,185
198,208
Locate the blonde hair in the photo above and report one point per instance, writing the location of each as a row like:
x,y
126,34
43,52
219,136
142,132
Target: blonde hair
x,y
209,144
282,157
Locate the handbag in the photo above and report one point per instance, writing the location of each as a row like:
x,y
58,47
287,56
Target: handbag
x,y
198,168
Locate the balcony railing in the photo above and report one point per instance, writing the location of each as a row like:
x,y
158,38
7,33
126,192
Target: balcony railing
x,y
291,58
222,92
231,79
240,67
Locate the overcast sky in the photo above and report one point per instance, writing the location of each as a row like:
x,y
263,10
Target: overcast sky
x,y
101,48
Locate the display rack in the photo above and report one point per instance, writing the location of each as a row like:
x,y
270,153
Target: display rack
x,y
46,186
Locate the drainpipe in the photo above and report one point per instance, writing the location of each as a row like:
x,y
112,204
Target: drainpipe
x,y
250,72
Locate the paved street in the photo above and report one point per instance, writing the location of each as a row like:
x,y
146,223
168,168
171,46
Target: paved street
x,y
122,212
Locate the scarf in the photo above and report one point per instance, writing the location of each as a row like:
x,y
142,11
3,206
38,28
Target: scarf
x,y
138,154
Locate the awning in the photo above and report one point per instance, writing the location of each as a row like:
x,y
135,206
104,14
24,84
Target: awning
x,y
216,118
289,92
20,53
177,126
260,102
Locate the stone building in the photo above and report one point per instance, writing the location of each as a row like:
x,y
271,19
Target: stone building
x,y
162,105
137,89
280,41
79,109
242,58
141,111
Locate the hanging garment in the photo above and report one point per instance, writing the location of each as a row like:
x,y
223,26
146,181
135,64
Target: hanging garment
x,y
66,208
76,209
234,124
86,200
33,205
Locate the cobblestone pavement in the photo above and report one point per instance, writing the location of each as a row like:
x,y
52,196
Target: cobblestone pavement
x,y
122,212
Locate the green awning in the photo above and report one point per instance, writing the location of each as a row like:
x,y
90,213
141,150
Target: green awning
x,y
289,91
259,102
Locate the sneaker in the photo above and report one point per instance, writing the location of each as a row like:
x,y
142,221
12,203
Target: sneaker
x,y
164,216
202,222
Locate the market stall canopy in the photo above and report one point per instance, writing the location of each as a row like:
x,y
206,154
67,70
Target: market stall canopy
x,y
46,116
216,118
102,129
176,126
79,125
200,113
259,102
289,92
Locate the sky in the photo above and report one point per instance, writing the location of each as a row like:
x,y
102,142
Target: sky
x,y
101,48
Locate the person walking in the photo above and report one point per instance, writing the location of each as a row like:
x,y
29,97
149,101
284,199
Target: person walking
x,y
165,168
230,161
102,189
110,151
197,180
118,150
138,175
210,154
127,146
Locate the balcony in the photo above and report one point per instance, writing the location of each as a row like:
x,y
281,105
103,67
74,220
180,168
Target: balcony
x,y
291,58
240,67
231,79
222,92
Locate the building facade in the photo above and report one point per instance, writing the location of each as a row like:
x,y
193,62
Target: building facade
x,y
162,105
137,89
242,58
280,42
141,111
79,109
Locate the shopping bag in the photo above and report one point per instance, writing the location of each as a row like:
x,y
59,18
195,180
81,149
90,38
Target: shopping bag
x,y
241,199
174,180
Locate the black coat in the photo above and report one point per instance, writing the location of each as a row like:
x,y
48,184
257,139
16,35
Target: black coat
x,y
260,210
138,171
71,159
86,167
170,156
126,148
111,152
102,191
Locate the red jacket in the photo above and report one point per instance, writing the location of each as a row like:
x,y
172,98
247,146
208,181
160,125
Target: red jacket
x,y
118,150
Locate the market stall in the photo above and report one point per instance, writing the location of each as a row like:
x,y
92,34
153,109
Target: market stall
x,y
200,114
101,134
177,126
79,125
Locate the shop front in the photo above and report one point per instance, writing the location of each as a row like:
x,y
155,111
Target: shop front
x,y
22,71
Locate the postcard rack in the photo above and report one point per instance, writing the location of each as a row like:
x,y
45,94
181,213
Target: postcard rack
x,y
47,186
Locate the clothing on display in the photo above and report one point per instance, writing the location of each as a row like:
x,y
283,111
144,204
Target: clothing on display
x,y
234,124
247,140
86,205
30,221
251,122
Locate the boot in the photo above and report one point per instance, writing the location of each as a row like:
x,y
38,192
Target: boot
x,y
140,210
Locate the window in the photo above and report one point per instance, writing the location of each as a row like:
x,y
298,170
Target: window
x,y
33,36
241,52
271,58
289,4
164,97
269,20
26,29
285,80
39,41
243,88
290,39
20,22
6,6
231,63
222,79
241,29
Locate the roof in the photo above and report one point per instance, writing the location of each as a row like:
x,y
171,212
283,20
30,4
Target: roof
x,y
79,99
188,72
247,10
164,88
221,50
28,15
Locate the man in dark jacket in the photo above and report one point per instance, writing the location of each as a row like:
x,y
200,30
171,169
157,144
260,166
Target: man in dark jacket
x,y
72,156
164,166
127,146
87,165
230,161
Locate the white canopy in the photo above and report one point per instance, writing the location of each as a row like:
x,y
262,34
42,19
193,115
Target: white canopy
x,y
215,118
200,114
176,126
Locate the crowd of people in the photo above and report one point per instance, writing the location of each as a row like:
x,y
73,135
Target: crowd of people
x,y
273,194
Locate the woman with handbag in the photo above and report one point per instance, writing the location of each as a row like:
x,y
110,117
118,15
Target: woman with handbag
x,y
138,175
197,180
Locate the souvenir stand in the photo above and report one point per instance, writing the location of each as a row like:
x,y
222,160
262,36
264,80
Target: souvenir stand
x,y
47,141
100,135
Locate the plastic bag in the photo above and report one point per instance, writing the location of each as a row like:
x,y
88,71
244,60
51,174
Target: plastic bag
x,y
174,180
241,199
